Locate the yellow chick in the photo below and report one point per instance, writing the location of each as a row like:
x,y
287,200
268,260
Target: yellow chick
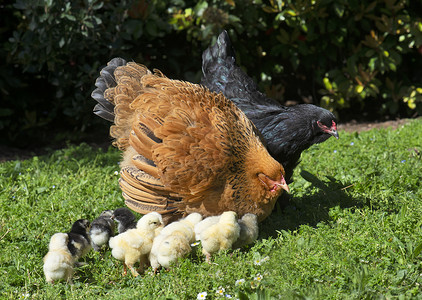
x,y
134,245
221,235
171,248
177,235
204,224
248,230
185,225
58,262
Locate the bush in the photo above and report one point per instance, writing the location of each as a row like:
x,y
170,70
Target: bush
x,y
57,49
349,56
355,51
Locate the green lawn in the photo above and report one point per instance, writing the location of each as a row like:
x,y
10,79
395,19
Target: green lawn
x,y
352,229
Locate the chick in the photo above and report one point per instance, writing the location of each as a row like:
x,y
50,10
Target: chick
x,y
134,245
79,242
58,262
248,230
173,241
204,224
171,248
125,219
102,228
221,235
185,225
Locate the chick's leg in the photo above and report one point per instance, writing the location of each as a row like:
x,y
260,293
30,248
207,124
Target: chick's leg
x,y
207,255
132,269
124,269
142,262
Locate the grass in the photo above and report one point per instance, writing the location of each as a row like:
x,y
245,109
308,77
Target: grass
x,y
352,229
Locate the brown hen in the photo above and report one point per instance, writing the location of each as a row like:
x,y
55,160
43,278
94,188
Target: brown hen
x,y
185,149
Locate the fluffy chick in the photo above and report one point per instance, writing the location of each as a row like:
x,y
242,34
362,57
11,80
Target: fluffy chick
x,y
171,248
124,218
204,224
185,225
173,241
248,230
102,228
221,235
79,242
134,245
58,262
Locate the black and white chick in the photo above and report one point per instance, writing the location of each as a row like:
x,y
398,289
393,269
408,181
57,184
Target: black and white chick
x,y
79,242
124,218
102,228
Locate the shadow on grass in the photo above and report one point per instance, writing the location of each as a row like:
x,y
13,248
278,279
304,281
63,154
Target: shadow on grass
x,y
311,209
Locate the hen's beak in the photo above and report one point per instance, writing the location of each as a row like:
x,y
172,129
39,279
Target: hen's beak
x,y
333,132
273,185
284,185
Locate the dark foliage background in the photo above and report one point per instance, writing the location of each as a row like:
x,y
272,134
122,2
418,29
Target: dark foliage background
x,y
360,59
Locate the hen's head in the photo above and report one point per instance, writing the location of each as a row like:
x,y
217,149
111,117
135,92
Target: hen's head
x,y
325,125
266,175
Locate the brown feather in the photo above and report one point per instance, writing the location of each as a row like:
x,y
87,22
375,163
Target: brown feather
x,y
190,150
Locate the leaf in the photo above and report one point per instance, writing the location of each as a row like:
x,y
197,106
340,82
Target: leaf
x,y
40,190
231,2
417,250
327,83
4,112
98,5
89,24
269,9
339,9
69,17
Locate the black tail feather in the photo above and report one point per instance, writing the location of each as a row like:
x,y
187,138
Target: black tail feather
x,y
222,50
217,63
104,108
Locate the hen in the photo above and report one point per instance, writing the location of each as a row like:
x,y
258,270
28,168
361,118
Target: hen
x,y
185,149
287,130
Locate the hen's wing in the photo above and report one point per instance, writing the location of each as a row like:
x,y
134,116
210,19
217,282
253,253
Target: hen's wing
x,y
178,136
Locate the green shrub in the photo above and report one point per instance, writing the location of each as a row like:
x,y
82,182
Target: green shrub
x,y
354,50
59,48
353,57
